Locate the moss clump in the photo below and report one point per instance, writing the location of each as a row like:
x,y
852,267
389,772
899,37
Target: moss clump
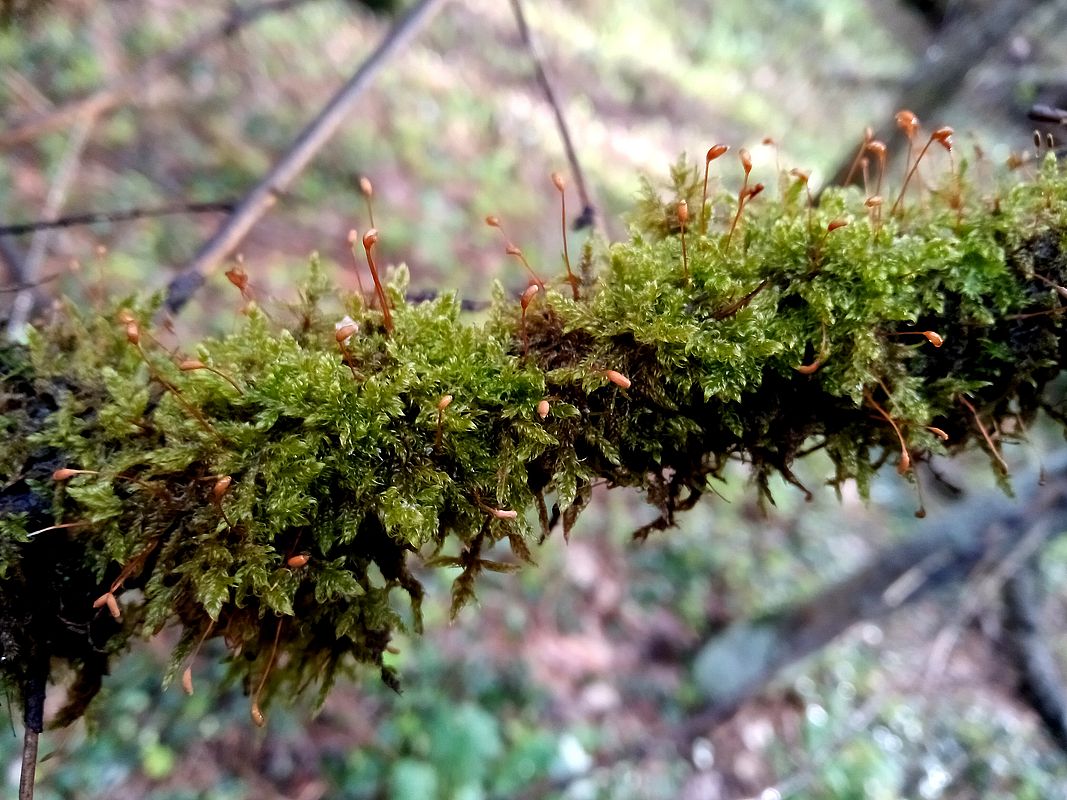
x,y
272,489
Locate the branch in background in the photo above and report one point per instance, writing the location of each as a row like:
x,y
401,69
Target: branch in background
x,y
93,218
11,258
140,78
743,659
588,214
33,717
1027,647
304,149
941,74
947,554
25,300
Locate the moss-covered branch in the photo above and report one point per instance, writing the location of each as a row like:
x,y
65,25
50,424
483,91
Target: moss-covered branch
x,y
272,487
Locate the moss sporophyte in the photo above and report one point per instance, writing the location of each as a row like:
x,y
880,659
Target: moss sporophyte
x,y
275,488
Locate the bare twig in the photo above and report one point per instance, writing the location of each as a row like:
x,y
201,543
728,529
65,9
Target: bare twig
x,y
139,79
12,260
33,717
998,572
18,287
57,196
307,145
947,553
941,73
92,218
588,214
29,763
1028,647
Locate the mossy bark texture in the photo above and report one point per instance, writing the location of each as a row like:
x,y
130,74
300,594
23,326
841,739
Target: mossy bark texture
x,y
282,488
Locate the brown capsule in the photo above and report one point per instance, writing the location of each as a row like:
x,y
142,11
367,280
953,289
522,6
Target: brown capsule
x,y
683,212
133,333
617,378
222,485
238,277
834,224
108,599
558,181
528,295
343,333
943,136
187,681
1037,139
940,434
715,151
366,186
298,560
370,238
503,513
444,402
907,122
190,364
65,473
492,222
257,715
873,202
753,191
543,408
933,338
746,160
512,249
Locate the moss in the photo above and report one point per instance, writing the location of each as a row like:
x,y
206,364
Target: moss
x,y
274,493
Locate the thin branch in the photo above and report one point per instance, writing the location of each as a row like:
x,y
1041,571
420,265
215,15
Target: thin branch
x,y
57,196
30,741
1040,678
941,74
33,717
304,149
12,260
998,572
588,214
19,287
140,78
92,218
948,552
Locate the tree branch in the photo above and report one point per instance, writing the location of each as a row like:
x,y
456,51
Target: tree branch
x,y
588,212
33,716
92,218
963,539
1040,679
12,261
110,97
304,149
942,71
57,195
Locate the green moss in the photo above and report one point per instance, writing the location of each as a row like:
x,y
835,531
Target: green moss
x,y
202,485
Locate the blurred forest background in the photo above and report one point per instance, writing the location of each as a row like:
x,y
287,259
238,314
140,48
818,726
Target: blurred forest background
x,y
570,680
